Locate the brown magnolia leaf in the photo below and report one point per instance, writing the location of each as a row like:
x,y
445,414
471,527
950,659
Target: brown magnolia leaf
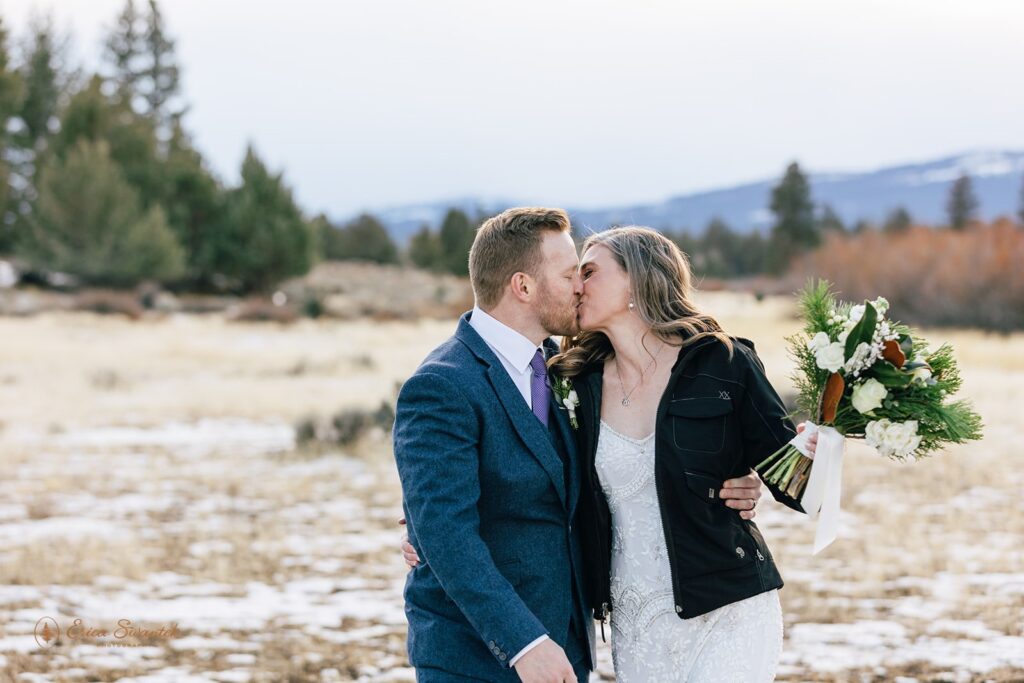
x,y
893,353
830,398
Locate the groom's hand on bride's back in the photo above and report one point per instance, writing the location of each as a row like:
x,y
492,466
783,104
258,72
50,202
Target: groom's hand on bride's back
x,y
545,663
742,493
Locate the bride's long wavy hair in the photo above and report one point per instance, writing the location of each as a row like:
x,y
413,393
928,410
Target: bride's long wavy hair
x,y
660,282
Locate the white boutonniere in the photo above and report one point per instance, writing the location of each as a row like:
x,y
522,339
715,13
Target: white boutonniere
x,y
568,399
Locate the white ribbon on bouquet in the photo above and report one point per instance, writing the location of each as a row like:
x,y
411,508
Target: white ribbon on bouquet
x,y
824,486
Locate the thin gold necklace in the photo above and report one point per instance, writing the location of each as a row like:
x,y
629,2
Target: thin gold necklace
x,y
625,394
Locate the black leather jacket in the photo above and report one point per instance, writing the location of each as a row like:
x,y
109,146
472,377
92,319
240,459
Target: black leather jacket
x,y
717,419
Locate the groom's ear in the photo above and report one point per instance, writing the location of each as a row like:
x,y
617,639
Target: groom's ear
x,y
523,286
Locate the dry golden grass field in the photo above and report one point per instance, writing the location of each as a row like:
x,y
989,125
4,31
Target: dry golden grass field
x,y
149,472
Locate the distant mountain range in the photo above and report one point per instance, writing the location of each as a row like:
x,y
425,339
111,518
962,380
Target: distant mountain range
x,y
920,188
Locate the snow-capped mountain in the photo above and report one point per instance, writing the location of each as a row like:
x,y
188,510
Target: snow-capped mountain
x,y
920,188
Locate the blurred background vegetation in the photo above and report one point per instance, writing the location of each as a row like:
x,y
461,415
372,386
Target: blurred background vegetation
x,y
101,186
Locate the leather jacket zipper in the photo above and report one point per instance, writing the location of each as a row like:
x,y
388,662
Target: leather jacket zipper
x,y
669,547
659,416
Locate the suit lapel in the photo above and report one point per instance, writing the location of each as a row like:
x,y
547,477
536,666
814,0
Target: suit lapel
x,y
530,429
565,430
526,424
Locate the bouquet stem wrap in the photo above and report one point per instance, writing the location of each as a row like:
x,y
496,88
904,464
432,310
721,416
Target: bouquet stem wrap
x,y
821,498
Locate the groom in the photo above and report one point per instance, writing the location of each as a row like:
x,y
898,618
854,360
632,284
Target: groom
x,y
488,466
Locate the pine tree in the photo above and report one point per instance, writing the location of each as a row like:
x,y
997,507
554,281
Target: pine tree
x,y
1020,210
686,242
194,201
962,205
363,239
11,91
752,253
425,250
132,138
456,237
264,238
143,65
162,75
719,246
830,221
88,222
41,72
794,230
123,51
898,220
331,240
88,115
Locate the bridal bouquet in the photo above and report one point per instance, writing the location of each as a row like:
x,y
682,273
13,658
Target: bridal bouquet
x,y
862,375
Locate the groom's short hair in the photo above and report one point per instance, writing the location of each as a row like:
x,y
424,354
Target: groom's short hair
x,y
507,244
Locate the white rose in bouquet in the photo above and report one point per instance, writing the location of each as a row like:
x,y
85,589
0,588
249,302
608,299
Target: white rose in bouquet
x,y
898,439
903,437
831,357
869,395
819,341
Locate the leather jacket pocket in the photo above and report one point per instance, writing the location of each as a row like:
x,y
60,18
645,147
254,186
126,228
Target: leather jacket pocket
x,y
698,423
704,487
721,544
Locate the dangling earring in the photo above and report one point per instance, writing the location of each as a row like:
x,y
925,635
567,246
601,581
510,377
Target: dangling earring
x,y
631,306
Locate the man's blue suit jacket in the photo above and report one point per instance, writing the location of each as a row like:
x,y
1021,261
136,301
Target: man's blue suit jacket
x,y
489,513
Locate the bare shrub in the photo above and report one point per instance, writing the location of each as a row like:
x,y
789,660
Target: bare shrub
x,y
261,310
969,278
109,302
345,427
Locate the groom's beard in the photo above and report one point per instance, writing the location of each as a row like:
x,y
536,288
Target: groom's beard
x,y
558,319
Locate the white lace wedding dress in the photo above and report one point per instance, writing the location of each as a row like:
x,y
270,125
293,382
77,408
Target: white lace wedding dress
x,y
739,642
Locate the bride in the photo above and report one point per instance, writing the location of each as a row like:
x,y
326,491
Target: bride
x,y
670,406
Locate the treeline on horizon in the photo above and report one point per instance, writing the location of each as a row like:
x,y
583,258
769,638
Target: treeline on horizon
x,y
962,274
800,226
101,184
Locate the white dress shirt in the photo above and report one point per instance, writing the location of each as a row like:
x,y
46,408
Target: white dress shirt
x,y
515,353
513,349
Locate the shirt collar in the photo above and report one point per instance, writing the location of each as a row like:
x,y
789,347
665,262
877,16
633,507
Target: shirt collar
x,y
513,346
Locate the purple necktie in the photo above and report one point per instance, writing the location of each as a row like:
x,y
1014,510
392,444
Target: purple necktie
x,y
540,392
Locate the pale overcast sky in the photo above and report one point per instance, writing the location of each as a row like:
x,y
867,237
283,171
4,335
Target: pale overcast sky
x,y
581,103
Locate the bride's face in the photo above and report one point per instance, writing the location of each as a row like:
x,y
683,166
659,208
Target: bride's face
x,y
605,289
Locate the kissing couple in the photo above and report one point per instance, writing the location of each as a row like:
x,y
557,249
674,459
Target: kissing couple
x,y
547,486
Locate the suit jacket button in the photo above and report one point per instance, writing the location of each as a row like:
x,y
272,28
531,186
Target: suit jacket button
x,y
503,656
491,644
